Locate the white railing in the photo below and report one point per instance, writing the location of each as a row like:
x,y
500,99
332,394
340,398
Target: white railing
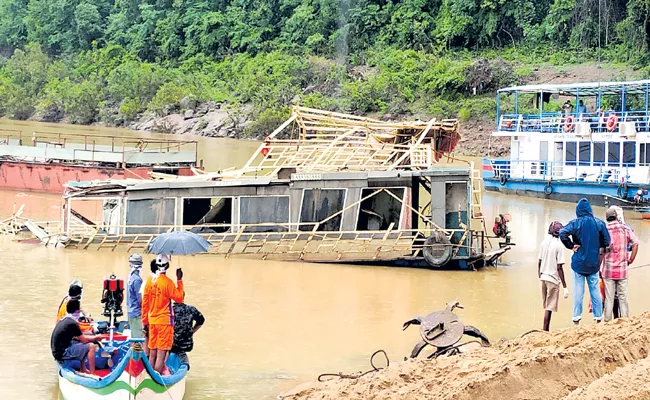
x,y
547,170
564,123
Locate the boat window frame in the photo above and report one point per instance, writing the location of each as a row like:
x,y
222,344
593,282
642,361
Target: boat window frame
x,y
181,199
593,157
644,148
618,164
302,200
633,145
68,210
375,188
288,196
126,209
579,161
574,161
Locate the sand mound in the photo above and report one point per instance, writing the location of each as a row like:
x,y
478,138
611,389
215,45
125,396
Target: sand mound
x,y
597,362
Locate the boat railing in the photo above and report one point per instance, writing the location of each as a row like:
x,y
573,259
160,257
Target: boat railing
x,y
329,155
561,171
97,148
559,122
315,140
299,239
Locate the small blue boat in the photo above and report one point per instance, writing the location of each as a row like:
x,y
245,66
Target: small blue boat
x,y
123,371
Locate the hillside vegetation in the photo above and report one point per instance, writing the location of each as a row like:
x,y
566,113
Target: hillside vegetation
x,y
114,61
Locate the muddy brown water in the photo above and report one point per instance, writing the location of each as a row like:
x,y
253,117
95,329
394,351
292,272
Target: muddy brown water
x,y
272,325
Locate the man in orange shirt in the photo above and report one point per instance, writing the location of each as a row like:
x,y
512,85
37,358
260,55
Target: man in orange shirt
x,y
157,312
75,292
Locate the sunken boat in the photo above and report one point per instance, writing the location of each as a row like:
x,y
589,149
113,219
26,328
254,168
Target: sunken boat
x,y
46,161
323,187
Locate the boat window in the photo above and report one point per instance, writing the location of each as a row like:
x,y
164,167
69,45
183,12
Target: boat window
x,y
261,210
204,213
150,215
570,153
629,154
644,154
320,204
613,154
585,153
379,211
599,153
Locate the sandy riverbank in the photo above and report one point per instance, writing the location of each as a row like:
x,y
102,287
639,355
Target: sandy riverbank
x,y
605,361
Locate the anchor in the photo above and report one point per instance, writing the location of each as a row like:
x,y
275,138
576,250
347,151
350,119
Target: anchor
x,y
442,330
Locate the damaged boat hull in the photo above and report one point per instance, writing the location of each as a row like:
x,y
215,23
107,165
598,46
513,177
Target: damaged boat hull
x,y
51,178
345,189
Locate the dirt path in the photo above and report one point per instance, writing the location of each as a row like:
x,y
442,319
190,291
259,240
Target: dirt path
x,y
570,364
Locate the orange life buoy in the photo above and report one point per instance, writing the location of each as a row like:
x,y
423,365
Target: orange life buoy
x,y
569,123
612,121
267,147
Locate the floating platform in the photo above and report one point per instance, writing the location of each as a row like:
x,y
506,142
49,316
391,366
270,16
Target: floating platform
x,y
45,162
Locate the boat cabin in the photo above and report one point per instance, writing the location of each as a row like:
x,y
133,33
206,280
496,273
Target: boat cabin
x,y
327,206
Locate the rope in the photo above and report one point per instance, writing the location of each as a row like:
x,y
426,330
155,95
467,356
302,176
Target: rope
x,y
341,375
531,331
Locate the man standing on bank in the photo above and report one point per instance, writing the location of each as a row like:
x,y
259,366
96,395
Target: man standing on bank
x,y
589,239
616,262
550,272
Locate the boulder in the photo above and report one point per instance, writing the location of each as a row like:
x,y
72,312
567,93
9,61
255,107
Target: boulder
x,y
188,114
188,102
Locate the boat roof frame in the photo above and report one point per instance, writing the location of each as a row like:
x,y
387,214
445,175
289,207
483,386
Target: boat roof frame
x,y
582,88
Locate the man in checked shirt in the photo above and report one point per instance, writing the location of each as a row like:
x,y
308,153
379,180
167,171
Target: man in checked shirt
x,y
615,263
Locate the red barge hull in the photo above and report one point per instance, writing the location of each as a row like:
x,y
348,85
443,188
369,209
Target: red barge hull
x,y
50,178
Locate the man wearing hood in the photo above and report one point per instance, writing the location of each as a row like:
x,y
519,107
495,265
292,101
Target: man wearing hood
x,y
133,297
587,236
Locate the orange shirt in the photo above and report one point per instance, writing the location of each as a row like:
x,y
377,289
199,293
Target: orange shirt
x,y
85,326
146,301
157,300
62,309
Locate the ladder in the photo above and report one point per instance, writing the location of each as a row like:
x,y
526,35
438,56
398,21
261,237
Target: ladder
x,y
476,182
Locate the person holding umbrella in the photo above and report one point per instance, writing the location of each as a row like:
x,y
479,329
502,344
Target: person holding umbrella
x,y
157,315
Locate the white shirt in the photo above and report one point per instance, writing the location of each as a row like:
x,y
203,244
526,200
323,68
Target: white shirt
x,y
551,253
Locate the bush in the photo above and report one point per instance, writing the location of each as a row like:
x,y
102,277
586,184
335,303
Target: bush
x,y
129,108
169,95
266,122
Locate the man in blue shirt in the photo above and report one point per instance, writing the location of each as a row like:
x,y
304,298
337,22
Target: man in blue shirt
x,y
133,296
588,237
582,109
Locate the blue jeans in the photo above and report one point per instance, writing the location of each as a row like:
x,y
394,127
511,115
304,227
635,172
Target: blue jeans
x,y
579,294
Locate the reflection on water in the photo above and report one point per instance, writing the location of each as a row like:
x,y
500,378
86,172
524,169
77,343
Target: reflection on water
x,y
271,325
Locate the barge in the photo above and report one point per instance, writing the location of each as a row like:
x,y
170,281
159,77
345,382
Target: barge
x,y
597,146
45,162
323,187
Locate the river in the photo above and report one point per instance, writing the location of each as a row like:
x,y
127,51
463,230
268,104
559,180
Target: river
x,y
272,325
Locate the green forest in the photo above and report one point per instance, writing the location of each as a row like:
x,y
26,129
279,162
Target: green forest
x,y
110,61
